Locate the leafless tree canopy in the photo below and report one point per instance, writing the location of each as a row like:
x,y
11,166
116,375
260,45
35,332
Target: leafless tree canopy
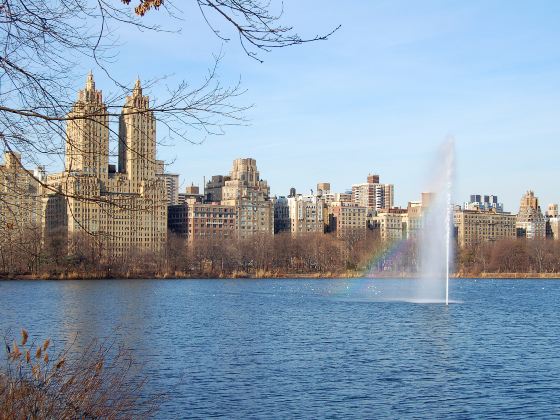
x,y
262,255
257,27
47,45
43,42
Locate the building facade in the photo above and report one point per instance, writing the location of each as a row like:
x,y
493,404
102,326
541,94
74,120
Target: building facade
x,y
171,183
416,212
323,188
202,221
20,201
477,226
191,194
552,222
373,194
281,214
392,224
307,214
213,192
531,223
249,194
330,197
117,211
484,202
347,219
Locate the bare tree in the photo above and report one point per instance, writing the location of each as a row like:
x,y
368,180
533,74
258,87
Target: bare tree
x,y
510,256
257,27
43,41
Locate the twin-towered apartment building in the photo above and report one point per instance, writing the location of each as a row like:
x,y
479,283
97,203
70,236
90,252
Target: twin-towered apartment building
x,y
92,200
121,208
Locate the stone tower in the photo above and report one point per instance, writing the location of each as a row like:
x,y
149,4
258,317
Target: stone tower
x,y
137,138
87,134
250,195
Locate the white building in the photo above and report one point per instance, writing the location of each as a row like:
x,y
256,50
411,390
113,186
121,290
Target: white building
x,y
531,223
374,195
307,214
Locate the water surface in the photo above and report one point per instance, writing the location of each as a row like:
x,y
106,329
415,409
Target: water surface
x,y
317,348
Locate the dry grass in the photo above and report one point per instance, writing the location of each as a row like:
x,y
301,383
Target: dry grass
x,y
239,274
99,382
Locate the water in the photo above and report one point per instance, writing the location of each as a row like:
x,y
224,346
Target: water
x,y
317,348
435,238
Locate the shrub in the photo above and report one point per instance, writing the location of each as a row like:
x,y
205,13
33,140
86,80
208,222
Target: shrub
x,y
100,381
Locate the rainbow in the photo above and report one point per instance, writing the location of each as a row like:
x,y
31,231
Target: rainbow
x,y
386,257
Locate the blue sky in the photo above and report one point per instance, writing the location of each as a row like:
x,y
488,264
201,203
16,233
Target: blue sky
x,y
380,95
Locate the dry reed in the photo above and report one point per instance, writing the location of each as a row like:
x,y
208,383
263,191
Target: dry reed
x,y
101,381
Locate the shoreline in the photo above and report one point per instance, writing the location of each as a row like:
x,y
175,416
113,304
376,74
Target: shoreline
x,y
509,276
270,275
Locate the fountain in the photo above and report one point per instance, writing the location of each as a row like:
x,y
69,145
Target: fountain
x,y
435,238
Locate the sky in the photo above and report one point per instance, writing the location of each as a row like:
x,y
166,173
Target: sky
x,y
380,96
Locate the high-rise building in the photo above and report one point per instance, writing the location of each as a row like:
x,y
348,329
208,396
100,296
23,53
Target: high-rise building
x,y
483,225
484,202
330,197
87,134
552,222
20,200
391,223
307,214
415,213
281,214
373,195
171,183
191,195
250,195
552,210
373,179
137,138
213,192
40,173
347,219
531,223
323,188
172,187
202,221
117,211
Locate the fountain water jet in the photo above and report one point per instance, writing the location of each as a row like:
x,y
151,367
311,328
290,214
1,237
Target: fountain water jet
x,y
435,237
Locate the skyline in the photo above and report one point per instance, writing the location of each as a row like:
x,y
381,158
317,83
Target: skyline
x,y
280,209
381,99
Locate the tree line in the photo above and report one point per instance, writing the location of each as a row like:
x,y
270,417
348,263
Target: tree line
x,y
82,256
531,256
25,254
508,256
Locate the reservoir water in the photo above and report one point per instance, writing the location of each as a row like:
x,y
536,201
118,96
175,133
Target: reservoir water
x,y
316,348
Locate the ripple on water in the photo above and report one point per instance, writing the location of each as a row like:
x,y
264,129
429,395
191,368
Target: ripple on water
x,y
317,348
